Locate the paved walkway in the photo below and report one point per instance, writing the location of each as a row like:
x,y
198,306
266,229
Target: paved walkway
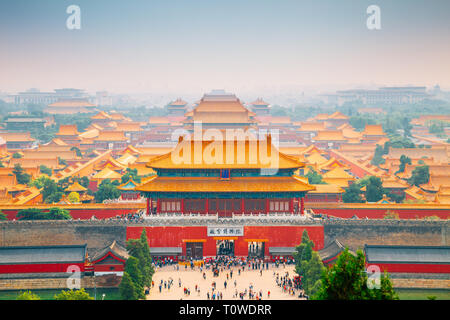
x,y
189,278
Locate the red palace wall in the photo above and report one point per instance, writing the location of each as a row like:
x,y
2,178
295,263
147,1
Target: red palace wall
x,y
39,268
273,236
379,213
413,268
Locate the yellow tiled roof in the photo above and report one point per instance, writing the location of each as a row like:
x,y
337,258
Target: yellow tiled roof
x,y
107,173
214,184
75,187
248,151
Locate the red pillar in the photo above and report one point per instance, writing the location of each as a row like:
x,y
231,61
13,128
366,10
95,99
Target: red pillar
x,y
291,205
206,205
158,205
302,206
267,206
148,206
242,206
182,205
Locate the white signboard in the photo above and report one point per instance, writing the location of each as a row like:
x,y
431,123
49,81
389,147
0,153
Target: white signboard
x,y
225,231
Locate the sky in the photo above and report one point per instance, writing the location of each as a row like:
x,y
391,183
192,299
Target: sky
x,y
162,46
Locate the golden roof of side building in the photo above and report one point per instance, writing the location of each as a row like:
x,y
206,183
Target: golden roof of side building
x,y
159,120
40,154
220,117
72,103
102,115
259,102
438,153
111,136
394,182
338,115
322,116
312,149
67,130
75,187
331,164
215,184
56,142
443,194
243,154
316,158
131,150
329,135
373,130
129,126
7,180
178,102
110,163
435,182
107,173
338,172
89,134
327,188
312,126
26,196
16,136
127,159
52,163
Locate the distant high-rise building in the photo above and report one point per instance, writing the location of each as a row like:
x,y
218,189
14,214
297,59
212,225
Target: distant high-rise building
x,y
35,96
384,95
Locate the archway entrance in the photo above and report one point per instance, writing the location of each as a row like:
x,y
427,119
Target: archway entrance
x,y
256,249
194,250
225,248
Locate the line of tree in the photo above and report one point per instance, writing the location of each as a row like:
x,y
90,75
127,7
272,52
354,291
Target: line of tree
x,y
138,271
347,279
308,265
80,294
37,214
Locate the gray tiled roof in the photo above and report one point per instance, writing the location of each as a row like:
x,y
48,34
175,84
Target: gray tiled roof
x,y
407,254
42,254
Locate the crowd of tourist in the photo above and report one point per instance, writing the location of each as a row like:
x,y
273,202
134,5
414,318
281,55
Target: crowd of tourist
x,y
232,268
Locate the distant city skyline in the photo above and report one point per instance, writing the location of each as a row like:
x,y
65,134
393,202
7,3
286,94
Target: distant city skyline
x,y
245,47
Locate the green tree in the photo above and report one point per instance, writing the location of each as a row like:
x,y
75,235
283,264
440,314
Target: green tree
x,y
406,126
420,175
374,189
378,156
45,170
77,151
16,155
352,194
127,288
51,191
58,214
37,214
347,280
27,295
404,160
3,216
314,177
312,274
140,249
131,174
132,268
73,295
21,176
106,190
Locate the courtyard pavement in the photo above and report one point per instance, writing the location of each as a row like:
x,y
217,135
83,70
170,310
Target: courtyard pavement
x,y
190,278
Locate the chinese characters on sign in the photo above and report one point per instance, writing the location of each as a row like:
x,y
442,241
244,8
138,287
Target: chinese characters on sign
x,y
225,231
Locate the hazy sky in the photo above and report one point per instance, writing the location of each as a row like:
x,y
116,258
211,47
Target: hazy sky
x,y
181,45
